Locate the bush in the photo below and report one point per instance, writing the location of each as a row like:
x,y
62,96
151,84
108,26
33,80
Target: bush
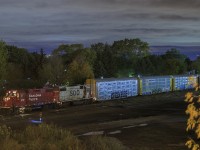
x,y
193,122
5,132
48,137
104,143
11,144
51,137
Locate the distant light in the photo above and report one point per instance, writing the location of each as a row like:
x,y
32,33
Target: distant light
x,y
36,121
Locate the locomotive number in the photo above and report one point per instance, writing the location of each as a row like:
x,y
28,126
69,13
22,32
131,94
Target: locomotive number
x,y
74,92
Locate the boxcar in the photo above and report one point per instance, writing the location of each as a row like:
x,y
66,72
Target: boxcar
x,y
113,88
183,82
154,84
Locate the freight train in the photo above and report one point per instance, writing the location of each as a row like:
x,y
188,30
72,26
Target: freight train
x,y
96,90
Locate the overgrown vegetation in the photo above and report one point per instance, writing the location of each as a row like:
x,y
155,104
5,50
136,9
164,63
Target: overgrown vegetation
x,y
72,64
193,122
50,137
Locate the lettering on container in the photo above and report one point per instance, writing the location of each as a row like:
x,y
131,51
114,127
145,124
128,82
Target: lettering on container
x,y
34,97
120,94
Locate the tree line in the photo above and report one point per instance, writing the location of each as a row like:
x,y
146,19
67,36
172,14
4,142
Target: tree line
x,y
71,64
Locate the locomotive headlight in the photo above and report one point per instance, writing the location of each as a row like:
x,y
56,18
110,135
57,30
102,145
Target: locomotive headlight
x,y
7,98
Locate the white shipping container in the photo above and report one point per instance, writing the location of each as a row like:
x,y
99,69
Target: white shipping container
x,y
107,89
156,84
185,82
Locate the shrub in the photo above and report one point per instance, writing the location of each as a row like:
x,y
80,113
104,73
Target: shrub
x,y
51,137
193,122
104,143
5,132
11,144
48,137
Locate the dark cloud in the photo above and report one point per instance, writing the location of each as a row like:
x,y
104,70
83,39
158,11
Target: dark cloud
x,y
148,30
163,16
82,3
179,18
87,21
177,3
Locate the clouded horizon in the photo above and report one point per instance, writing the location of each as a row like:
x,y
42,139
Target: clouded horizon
x,y
48,23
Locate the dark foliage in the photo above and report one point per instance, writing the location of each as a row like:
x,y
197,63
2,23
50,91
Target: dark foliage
x,y
72,64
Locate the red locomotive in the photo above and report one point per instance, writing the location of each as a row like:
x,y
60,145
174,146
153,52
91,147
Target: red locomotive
x,y
29,99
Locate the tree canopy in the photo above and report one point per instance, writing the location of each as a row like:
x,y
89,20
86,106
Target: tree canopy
x,y
3,64
74,63
3,59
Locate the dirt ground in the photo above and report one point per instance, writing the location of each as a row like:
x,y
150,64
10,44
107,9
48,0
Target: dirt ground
x,y
155,122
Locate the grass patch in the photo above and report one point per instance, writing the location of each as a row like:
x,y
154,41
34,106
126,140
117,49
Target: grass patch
x,y
51,137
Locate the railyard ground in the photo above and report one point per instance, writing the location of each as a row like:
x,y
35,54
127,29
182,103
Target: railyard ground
x,y
155,122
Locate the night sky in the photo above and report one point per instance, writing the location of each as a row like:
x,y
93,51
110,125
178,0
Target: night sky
x,y
36,24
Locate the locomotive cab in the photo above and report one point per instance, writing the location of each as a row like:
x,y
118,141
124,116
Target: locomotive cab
x,y
9,98
14,98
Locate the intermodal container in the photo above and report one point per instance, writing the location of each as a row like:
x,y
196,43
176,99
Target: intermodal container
x,y
154,84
